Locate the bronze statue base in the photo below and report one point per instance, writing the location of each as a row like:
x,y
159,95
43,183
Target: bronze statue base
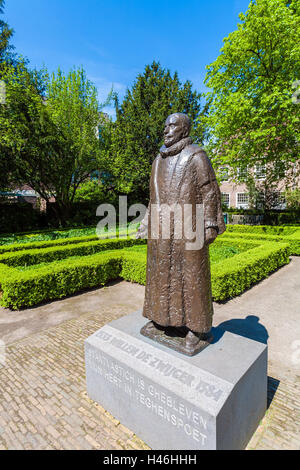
x,y
174,338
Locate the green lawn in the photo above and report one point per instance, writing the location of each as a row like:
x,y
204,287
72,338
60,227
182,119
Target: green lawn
x,y
54,235
217,253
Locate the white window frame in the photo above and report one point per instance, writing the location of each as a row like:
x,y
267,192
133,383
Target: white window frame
x,y
243,205
281,200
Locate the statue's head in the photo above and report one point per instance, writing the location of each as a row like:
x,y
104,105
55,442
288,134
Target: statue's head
x,y
177,127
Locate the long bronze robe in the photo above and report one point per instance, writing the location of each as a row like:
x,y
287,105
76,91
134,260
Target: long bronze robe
x,y
178,282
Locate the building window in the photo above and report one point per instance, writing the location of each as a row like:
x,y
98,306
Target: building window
x,y
260,200
242,172
260,172
226,199
242,200
279,201
279,169
223,173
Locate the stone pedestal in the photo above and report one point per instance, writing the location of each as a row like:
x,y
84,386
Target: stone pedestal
x,y
213,400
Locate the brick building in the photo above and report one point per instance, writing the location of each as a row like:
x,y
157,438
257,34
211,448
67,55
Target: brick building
x,y
235,193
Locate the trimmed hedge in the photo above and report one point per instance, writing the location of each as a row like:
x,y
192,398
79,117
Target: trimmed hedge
x,y
46,244
58,279
293,240
59,242
134,267
230,277
47,255
237,274
264,229
25,289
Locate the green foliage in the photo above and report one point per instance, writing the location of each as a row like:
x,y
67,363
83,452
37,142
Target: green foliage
x,y
24,289
54,253
237,274
50,140
270,217
74,110
21,240
93,191
291,238
57,238
16,217
264,229
137,134
55,276
292,198
134,267
253,118
5,35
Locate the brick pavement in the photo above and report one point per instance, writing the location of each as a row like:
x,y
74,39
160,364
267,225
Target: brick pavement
x,y
43,403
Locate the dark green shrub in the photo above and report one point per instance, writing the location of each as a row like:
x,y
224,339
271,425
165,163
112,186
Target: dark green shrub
x,y
20,217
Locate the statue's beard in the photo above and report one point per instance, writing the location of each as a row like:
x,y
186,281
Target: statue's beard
x,y
175,148
172,141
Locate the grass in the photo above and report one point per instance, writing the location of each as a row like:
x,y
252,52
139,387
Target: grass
x,y
56,234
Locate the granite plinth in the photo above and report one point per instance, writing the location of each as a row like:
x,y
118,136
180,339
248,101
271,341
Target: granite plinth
x,y
213,400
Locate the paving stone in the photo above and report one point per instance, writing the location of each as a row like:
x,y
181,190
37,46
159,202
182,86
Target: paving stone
x,y
44,404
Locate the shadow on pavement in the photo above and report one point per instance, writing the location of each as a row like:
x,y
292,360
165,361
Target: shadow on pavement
x,y
248,327
273,384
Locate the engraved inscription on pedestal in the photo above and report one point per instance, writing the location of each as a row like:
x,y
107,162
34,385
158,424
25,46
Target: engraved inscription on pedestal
x,y
164,398
148,397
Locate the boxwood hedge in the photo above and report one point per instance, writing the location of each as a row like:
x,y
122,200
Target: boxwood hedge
x,y
60,278
59,242
293,240
54,253
264,229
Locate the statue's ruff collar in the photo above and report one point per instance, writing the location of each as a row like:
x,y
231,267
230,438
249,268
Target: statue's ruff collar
x,y
175,148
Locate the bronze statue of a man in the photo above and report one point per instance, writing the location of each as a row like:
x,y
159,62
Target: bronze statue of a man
x,y
178,299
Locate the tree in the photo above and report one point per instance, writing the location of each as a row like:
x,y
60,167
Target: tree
x,y
137,133
253,116
5,35
292,197
52,139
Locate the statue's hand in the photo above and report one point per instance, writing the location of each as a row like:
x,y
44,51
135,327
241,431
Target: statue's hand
x,y
210,235
142,232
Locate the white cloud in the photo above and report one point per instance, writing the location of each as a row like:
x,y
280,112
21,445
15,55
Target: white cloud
x,y
104,86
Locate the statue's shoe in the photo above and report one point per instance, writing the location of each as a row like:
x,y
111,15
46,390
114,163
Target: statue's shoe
x,y
152,328
196,342
189,343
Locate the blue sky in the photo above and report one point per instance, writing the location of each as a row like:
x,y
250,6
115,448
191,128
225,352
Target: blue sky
x,y
114,39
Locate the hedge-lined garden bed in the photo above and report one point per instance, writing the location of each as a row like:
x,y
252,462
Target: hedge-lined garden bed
x,y
57,271
284,230
231,276
55,253
63,241
290,235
